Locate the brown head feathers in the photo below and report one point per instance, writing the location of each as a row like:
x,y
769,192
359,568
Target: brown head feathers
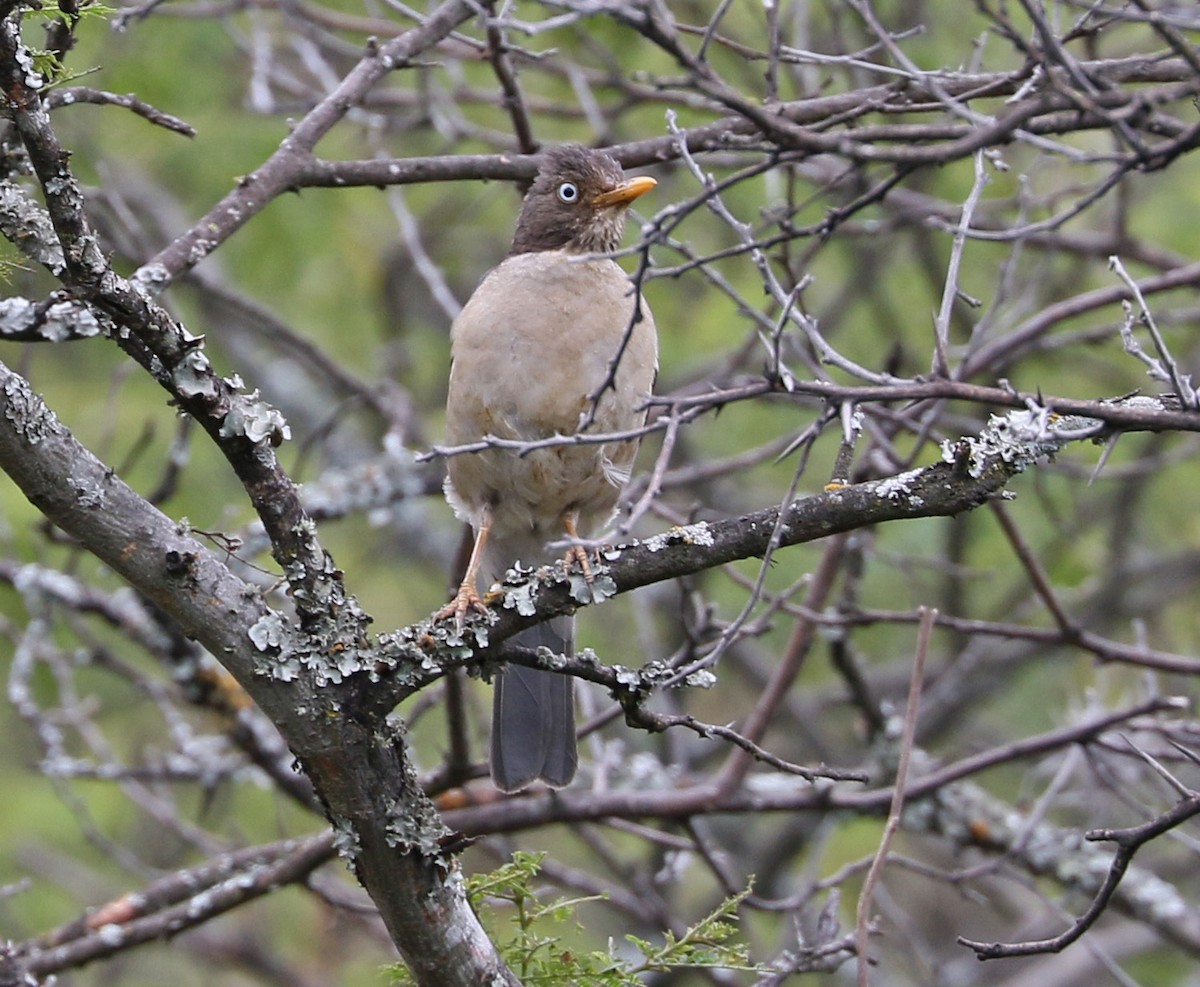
x,y
577,202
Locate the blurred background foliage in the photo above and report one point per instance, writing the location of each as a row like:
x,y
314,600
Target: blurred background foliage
x,y
333,267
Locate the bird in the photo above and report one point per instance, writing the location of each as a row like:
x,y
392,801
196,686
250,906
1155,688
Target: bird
x,y
554,336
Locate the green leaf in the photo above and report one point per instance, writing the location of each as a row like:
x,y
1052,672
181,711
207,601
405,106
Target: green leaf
x,y
542,960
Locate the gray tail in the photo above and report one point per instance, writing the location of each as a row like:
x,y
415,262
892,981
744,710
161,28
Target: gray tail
x,y
533,716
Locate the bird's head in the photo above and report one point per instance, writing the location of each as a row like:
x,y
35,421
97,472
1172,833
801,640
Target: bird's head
x,y
577,202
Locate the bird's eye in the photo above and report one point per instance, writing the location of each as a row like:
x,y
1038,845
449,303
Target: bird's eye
x,y
568,193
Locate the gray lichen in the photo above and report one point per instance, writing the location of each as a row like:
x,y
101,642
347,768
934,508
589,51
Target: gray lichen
x,y
26,411
691,534
257,421
193,376
1019,438
595,590
27,225
899,487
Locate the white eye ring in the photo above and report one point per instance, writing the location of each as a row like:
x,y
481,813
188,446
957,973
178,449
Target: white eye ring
x,y
568,193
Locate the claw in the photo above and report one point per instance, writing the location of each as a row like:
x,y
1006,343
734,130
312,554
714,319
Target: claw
x,y
577,553
466,600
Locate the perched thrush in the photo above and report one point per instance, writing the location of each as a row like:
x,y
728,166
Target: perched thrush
x,y
531,351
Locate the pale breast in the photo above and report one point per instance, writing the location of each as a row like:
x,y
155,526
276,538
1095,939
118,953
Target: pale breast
x,y
536,339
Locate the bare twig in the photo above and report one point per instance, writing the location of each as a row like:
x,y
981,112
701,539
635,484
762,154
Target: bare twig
x,y
1128,842
895,813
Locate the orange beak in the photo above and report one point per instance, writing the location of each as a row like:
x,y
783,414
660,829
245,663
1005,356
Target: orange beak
x,y
624,193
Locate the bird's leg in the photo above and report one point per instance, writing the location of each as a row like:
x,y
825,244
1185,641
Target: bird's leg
x,y
467,598
576,552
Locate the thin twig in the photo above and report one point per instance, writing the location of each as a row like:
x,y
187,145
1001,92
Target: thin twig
x,y
951,290
1128,841
895,813
1180,381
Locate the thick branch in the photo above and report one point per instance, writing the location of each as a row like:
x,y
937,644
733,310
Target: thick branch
x,y
976,469
359,768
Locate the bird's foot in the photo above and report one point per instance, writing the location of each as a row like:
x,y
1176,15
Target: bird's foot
x,y
578,555
466,600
